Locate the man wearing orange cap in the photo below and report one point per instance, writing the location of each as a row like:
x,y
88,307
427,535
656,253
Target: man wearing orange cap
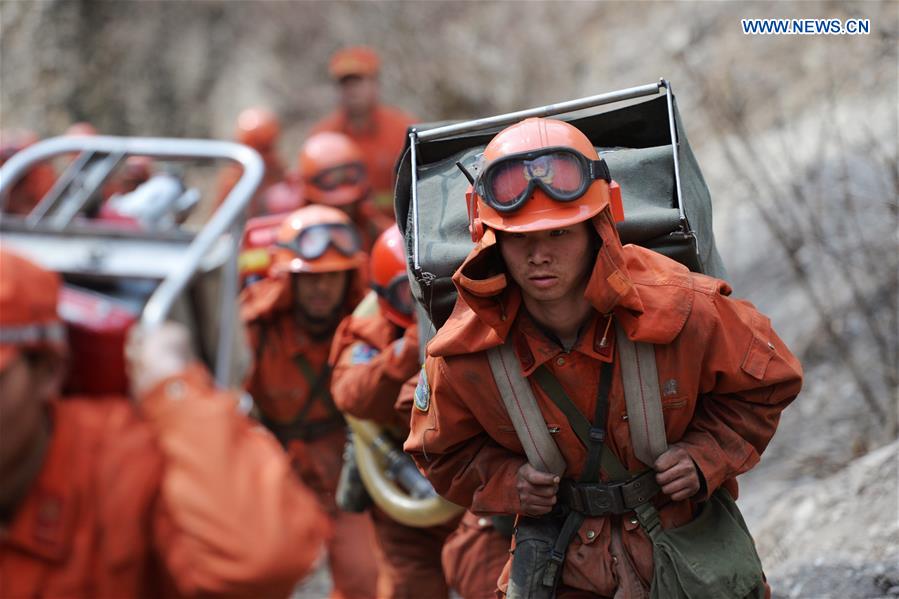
x,y
316,277
333,173
525,402
379,130
102,498
260,129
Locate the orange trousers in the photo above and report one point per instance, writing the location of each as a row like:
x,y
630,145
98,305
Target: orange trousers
x,y
409,558
351,548
474,556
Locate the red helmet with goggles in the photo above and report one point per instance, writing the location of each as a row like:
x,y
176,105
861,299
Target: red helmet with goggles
x,y
389,279
540,174
317,239
332,169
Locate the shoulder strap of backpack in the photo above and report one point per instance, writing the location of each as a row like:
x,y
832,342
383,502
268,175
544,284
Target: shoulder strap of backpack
x,y
641,389
539,446
640,378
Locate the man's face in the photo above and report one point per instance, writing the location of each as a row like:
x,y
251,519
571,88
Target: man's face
x,y
549,265
358,94
320,295
26,384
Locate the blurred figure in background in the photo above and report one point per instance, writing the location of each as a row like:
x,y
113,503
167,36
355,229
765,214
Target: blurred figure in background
x,y
378,130
374,355
333,173
26,194
260,129
317,276
100,498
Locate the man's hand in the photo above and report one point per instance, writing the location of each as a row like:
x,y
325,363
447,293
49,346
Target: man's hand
x,y
155,355
677,473
536,490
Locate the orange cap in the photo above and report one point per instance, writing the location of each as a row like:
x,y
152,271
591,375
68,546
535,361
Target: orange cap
x,y
285,259
325,151
388,261
258,128
540,212
355,60
28,299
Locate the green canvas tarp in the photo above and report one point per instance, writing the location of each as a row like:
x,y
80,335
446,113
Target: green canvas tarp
x,y
636,143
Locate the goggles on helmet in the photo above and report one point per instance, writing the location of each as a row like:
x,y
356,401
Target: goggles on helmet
x,y
562,173
312,242
397,293
352,173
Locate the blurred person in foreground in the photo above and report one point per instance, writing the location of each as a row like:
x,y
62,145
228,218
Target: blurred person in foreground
x,y
548,293
316,277
378,130
373,356
104,498
333,173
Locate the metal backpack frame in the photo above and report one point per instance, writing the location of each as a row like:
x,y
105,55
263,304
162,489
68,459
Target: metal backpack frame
x,y
51,234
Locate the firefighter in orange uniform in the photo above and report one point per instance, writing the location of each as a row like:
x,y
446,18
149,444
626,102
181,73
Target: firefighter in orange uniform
x,y
102,498
333,173
378,130
374,356
260,129
550,277
316,277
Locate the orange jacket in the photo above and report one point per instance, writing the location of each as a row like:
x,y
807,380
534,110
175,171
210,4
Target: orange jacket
x,y
381,144
132,503
288,364
28,192
725,377
372,358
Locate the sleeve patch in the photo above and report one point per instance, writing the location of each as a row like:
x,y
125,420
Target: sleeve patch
x,y
422,393
363,353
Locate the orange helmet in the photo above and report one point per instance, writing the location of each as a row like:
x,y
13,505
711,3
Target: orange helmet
x,y
332,170
258,128
389,279
540,174
317,239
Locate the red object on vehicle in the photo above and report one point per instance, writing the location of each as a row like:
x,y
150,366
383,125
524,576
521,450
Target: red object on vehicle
x,y
259,235
97,326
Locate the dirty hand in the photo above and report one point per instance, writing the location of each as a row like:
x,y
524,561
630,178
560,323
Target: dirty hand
x,y
677,473
536,490
153,355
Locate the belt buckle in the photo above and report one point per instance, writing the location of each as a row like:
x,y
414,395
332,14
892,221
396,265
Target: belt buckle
x,y
602,499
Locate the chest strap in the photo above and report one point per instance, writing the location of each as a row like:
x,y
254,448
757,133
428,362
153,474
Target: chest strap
x,y
299,428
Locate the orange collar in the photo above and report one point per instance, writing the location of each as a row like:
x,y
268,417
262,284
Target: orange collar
x,y
535,347
45,522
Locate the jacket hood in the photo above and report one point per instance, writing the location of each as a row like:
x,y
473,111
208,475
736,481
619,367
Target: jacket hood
x,y
649,295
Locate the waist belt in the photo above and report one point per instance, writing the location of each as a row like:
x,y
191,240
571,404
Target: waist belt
x,y
603,499
302,431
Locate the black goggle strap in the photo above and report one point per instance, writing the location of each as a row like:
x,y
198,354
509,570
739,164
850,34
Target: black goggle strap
x,y
598,169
